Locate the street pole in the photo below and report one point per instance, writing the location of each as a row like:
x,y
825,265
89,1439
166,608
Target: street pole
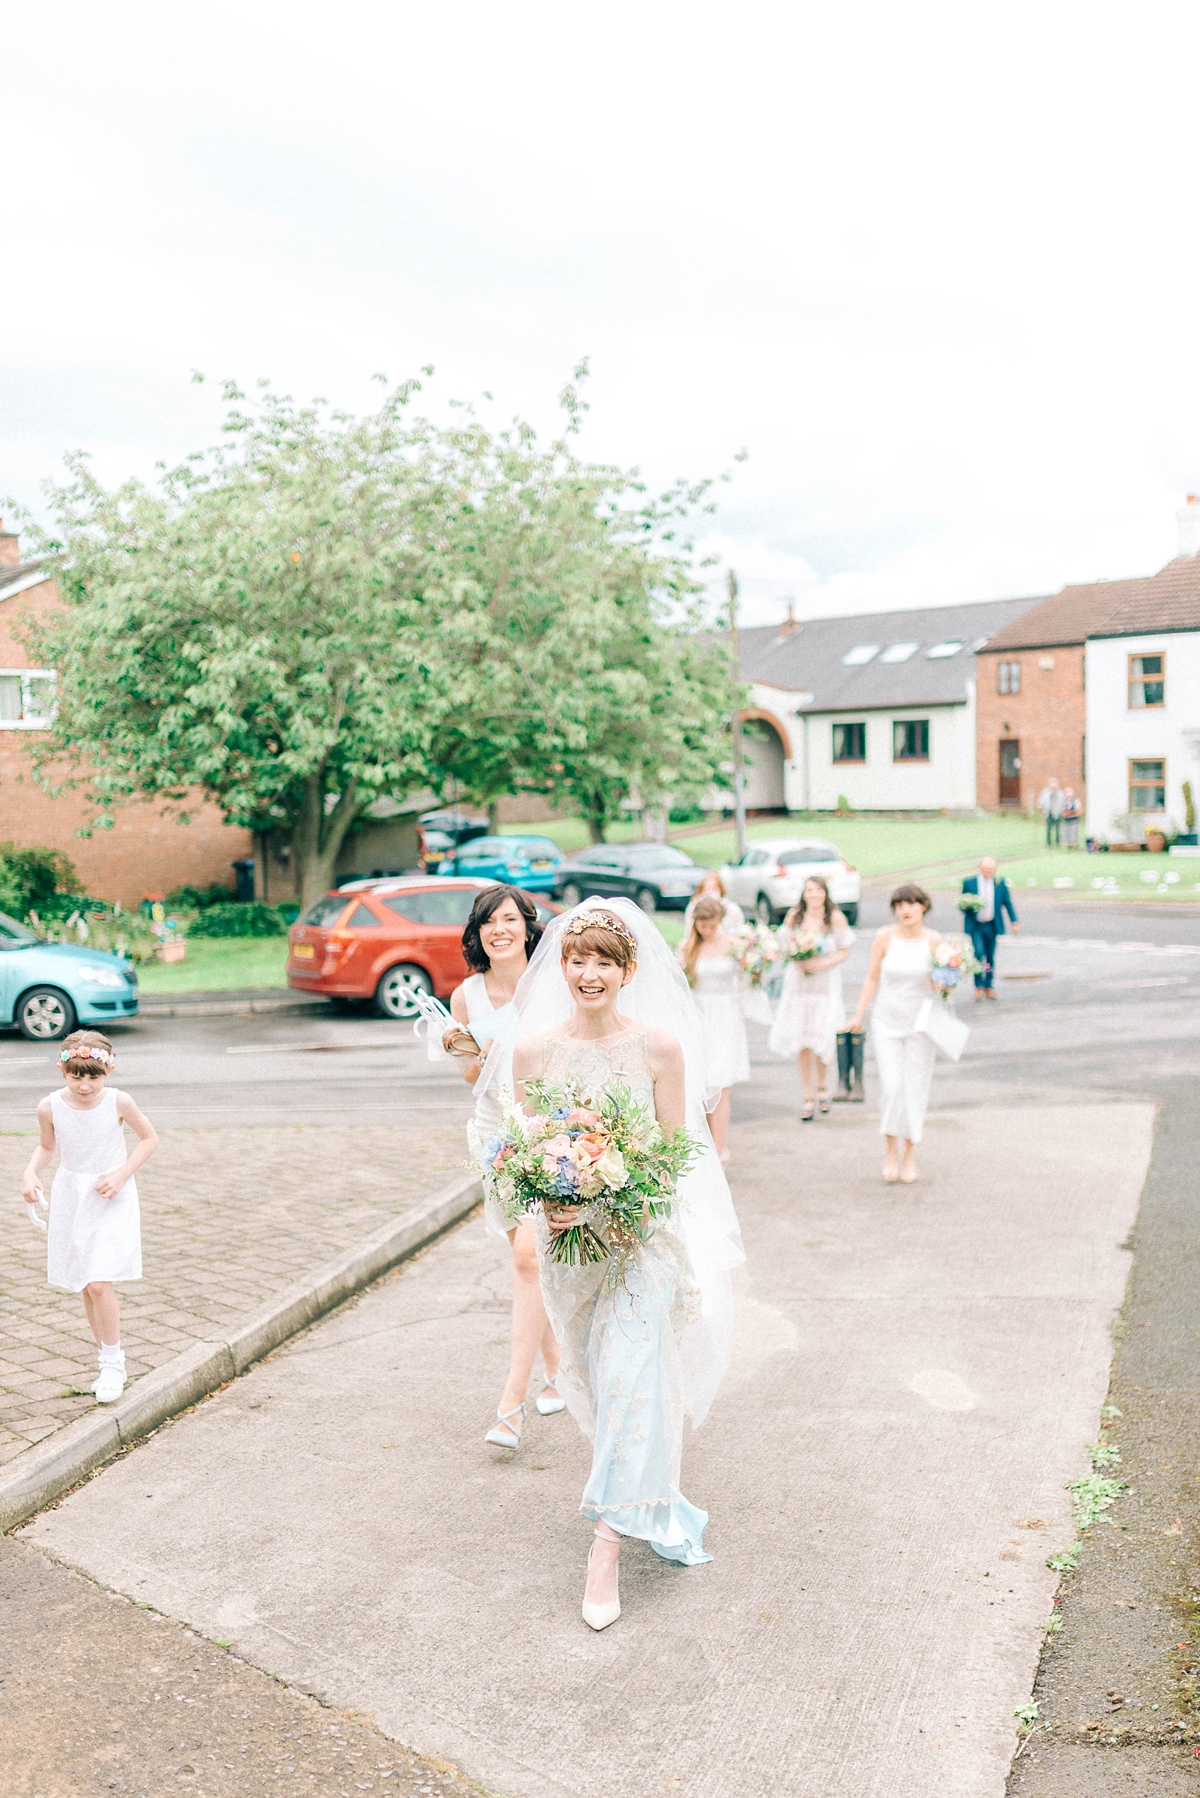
x,y
739,776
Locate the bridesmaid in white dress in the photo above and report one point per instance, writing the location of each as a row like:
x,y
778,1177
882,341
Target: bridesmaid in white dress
x,y
811,1011
901,958
716,983
713,887
501,934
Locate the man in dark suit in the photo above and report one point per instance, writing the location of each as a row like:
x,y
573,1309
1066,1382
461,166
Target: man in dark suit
x,y
985,922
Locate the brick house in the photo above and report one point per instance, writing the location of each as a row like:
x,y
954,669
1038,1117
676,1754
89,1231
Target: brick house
x,y
147,849
1030,704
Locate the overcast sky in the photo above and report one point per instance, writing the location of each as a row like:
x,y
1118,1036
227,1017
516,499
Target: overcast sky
x,y
935,268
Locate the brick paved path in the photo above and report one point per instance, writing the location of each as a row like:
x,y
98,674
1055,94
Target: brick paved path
x,y
229,1217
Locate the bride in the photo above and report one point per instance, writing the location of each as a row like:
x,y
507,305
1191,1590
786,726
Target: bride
x,y
603,1003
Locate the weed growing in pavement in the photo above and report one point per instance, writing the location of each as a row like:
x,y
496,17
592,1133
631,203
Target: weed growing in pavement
x,y
1092,1497
1067,1561
1104,1454
1053,1625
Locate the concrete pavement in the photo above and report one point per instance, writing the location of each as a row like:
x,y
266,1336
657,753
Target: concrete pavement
x,y
917,1377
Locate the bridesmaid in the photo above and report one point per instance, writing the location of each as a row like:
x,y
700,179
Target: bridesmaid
x,y
901,958
500,936
811,1011
715,980
713,887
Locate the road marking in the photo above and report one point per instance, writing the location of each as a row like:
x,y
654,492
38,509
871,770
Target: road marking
x,y
397,1042
1106,947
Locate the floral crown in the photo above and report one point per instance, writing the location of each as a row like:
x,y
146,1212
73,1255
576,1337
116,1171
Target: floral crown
x,y
88,1052
599,920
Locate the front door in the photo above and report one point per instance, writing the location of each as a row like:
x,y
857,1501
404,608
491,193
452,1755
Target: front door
x,y
1010,771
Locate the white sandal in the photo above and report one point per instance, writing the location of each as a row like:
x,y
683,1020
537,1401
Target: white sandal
x,y
549,1407
502,1433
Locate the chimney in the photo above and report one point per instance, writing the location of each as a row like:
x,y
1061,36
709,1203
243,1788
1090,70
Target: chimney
x,y
789,625
1188,519
10,553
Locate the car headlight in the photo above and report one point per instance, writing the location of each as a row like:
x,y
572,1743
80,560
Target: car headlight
x,y
100,976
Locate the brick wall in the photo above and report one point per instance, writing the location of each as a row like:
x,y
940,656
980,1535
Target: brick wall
x,y
1047,717
147,850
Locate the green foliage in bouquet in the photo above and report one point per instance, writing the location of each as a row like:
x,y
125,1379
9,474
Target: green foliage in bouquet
x,y
602,1154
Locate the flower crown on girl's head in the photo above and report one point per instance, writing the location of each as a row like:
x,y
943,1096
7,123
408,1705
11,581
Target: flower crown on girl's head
x,y
602,920
88,1052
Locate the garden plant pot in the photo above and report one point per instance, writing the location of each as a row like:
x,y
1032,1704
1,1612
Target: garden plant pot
x,y
1156,842
171,952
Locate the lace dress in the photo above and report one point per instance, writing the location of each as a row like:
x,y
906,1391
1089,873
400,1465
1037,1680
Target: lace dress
x,y
621,1373
718,995
812,1010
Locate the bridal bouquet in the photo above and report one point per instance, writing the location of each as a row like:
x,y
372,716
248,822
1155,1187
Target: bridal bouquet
x,y
603,1153
953,960
755,949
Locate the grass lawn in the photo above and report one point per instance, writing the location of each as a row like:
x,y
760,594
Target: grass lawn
x,y
219,965
938,851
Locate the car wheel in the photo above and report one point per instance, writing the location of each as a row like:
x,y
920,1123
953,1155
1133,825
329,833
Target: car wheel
x,y
850,913
764,911
393,995
571,895
45,1015
648,900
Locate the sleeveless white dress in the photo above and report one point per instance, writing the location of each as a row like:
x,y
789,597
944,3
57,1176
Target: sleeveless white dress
x,y
90,1238
621,1373
812,1010
905,1060
717,990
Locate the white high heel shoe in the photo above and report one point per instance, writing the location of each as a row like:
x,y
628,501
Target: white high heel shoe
x,y
599,1616
548,1402
502,1433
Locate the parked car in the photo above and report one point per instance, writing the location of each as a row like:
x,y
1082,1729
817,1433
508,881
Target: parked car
x,y
49,989
655,875
441,832
770,877
526,862
378,939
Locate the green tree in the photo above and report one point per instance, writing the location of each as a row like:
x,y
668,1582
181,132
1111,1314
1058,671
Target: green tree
x,y
263,625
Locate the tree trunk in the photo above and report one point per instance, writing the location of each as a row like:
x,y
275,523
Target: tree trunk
x,y
493,812
597,817
318,837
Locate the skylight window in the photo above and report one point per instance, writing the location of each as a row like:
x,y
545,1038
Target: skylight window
x,y
861,653
941,650
899,652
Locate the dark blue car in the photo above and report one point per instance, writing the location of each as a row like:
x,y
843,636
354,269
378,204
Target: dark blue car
x,y
527,862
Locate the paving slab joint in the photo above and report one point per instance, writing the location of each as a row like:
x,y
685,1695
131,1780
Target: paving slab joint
x,y
44,1472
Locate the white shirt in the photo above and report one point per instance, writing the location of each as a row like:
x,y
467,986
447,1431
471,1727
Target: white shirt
x,y
987,900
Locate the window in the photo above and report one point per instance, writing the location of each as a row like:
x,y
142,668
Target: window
x,y
595,858
754,858
951,647
1008,677
26,698
1147,783
362,918
860,654
899,652
1147,681
326,911
657,855
447,905
849,742
811,852
910,740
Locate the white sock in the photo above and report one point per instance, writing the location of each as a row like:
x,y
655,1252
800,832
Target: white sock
x,y
110,1350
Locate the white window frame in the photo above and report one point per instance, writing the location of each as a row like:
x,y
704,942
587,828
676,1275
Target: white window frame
x,y
29,720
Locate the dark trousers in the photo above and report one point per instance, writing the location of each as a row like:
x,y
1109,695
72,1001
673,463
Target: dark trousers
x,y
983,941
1053,828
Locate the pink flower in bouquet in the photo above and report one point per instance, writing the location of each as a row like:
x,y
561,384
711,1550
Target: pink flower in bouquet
x,y
593,1144
579,1116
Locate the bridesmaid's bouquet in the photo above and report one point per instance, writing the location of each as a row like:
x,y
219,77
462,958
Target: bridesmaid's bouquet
x,y
755,949
605,1154
802,945
953,960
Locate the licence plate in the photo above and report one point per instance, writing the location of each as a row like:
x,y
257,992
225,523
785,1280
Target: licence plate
x,y
304,952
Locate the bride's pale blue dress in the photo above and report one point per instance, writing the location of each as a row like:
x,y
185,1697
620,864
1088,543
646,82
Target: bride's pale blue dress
x,y
621,1373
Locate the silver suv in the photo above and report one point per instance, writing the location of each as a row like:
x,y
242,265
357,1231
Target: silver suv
x,y
770,877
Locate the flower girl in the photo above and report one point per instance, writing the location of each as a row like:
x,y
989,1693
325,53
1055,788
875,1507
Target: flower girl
x,y
94,1231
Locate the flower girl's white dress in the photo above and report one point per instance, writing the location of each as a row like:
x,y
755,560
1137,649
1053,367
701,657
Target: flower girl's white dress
x,y
621,1372
90,1238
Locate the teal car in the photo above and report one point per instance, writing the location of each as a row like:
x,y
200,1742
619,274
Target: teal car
x,y
49,989
526,862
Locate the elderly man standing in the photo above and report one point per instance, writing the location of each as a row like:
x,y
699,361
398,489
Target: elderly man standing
x,y
985,921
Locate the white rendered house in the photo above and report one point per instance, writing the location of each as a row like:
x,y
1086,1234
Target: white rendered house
x,y
1143,705
878,710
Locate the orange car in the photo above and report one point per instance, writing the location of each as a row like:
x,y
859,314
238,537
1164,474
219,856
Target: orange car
x,y
377,939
